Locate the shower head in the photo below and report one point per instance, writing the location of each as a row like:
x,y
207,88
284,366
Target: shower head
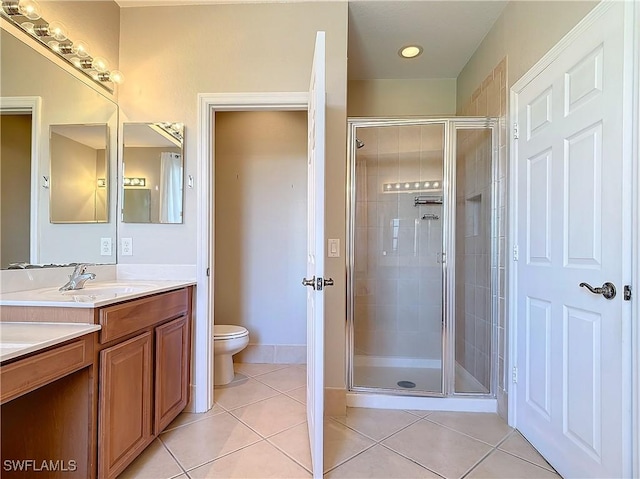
x,y
359,143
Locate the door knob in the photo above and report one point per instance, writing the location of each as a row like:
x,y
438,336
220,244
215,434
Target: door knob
x,y
608,290
309,282
328,282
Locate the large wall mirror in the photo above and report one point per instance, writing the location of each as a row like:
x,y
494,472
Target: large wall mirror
x,y
79,172
29,179
152,172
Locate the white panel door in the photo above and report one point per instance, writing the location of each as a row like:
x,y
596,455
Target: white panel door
x,y
572,396
315,257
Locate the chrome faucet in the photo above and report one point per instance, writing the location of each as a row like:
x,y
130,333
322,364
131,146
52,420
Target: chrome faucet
x,y
78,278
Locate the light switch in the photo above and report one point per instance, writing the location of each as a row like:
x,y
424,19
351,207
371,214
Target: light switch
x,y
334,248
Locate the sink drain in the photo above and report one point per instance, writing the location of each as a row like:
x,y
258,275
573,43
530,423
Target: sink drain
x,y
406,384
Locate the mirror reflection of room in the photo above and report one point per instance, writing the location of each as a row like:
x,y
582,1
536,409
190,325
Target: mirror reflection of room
x,y
79,172
152,173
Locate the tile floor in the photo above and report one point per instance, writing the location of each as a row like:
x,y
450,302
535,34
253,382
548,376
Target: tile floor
x,y
257,429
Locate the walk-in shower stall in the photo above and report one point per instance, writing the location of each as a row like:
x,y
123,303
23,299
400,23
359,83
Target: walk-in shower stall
x,y
422,256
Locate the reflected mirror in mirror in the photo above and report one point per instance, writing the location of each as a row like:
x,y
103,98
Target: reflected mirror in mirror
x,y
79,190
152,172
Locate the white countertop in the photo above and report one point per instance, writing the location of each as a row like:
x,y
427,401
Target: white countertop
x,y
93,295
17,339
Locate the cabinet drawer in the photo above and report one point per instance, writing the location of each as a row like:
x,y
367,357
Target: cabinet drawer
x,y
30,373
126,318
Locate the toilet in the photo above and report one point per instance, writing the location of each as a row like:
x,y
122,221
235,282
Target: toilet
x,y
227,341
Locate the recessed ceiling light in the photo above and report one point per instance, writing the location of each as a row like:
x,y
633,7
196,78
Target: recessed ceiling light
x,y
410,51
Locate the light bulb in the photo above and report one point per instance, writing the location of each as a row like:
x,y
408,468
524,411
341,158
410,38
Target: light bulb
x,y
58,31
407,185
116,76
29,27
99,64
81,49
427,184
436,184
416,185
29,9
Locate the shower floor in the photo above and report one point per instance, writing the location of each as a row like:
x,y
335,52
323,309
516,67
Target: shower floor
x,y
425,379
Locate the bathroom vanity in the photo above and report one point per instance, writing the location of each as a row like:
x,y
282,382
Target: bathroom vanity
x,y
87,404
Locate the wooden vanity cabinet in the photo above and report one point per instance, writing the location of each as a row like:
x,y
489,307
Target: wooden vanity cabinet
x,y
144,374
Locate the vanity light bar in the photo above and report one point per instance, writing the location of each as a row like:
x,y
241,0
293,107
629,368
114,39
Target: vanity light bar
x,y
412,186
25,14
135,182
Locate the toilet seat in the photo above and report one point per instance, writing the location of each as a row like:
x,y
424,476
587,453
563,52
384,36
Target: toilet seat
x,y
228,331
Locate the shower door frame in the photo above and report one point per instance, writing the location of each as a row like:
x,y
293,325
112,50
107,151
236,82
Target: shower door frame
x,y
450,124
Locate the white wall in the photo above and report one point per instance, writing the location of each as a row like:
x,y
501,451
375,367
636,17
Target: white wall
x,y
425,97
261,224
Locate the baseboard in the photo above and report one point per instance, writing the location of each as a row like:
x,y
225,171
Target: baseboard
x,y
335,401
272,354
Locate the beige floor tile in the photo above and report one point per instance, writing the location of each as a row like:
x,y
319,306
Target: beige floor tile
x,y
380,462
272,415
285,379
500,465
341,443
189,417
299,394
256,369
154,463
487,427
442,450
241,393
206,440
294,443
376,423
519,446
260,460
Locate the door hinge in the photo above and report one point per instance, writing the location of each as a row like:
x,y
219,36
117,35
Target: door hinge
x,y
627,292
516,253
514,375
208,271
516,132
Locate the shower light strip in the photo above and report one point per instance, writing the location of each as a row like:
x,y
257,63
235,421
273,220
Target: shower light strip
x,y
412,186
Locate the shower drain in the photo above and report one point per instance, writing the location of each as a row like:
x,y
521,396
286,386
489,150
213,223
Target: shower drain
x,y
406,384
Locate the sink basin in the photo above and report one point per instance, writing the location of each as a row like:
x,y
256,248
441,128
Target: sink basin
x,y
110,289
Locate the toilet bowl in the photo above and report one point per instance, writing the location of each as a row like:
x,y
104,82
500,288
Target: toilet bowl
x,y
227,341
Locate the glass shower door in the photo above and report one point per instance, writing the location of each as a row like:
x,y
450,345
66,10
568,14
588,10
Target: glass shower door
x,y
397,231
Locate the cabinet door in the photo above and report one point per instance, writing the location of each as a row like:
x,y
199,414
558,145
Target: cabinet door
x,y
124,427
172,371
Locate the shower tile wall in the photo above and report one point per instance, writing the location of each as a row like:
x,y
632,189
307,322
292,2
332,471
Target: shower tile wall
x,y
398,287
473,255
490,99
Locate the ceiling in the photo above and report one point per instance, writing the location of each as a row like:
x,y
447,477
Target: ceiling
x,y
448,30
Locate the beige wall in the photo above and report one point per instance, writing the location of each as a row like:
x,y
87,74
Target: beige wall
x,y
524,32
427,97
96,22
170,54
261,224
15,190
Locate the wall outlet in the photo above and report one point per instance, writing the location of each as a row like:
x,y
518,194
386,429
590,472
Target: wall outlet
x,y
127,246
105,246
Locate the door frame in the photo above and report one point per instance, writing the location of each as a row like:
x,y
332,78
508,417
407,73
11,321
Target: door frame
x,y
30,105
631,197
208,105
